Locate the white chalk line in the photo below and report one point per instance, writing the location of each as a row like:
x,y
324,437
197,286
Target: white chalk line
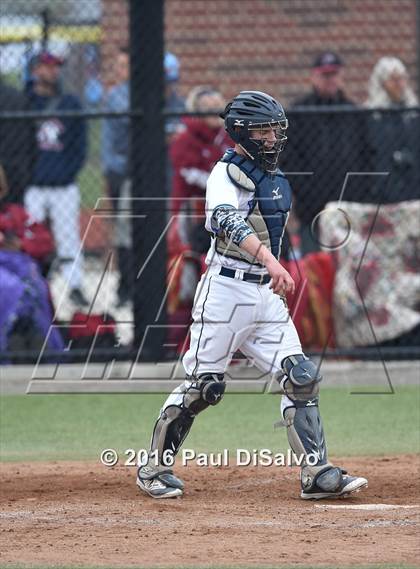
x,y
366,506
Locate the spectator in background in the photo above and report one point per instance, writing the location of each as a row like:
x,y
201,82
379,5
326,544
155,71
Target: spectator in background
x,y
61,152
25,309
173,101
116,131
389,85
93,90
193,154
196,149
115,165
394,136
325,146
17,142
116,154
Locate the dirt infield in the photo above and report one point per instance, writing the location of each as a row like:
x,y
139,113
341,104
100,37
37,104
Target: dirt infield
x,y
85,513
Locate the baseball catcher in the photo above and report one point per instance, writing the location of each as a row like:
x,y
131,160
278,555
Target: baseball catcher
x,y
239,305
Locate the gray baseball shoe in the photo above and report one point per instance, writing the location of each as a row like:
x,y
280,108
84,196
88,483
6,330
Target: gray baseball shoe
x,y
159,482
332,482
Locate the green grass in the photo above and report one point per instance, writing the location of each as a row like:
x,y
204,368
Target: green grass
x,y
91,184
14,79
74,427
90,179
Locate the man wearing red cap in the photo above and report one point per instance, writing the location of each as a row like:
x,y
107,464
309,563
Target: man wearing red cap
x,y
61,152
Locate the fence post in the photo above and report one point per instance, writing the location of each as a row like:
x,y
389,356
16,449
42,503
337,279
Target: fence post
x,y
46,22
148,164
418,46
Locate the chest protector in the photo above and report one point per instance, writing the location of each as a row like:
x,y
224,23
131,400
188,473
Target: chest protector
x,y
270,199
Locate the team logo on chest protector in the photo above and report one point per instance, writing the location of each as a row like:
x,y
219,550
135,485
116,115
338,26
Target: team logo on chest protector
x,y
276,194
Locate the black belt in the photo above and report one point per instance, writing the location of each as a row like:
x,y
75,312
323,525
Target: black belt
x,y
250,277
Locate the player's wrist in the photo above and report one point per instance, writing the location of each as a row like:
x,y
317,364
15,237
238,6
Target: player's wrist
x,y
268,260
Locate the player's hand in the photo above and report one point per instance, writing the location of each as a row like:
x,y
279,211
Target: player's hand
x,y
281,281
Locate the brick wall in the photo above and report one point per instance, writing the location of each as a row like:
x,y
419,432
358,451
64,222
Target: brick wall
x,y
114,33
269,44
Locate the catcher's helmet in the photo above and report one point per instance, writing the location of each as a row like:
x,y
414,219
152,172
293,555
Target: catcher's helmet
x,y
250,111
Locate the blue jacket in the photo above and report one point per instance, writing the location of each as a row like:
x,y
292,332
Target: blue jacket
x,y
61,142
115,150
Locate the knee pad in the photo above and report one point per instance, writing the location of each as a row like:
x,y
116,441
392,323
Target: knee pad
x,y
301,379
206,389
175,420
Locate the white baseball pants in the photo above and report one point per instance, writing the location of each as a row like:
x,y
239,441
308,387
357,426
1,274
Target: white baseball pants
x,y
61,204
231,314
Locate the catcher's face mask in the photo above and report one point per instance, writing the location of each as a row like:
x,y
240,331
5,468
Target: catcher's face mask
x,y
266,141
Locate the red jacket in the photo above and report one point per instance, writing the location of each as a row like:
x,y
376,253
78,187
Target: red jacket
x,y
35,239
193,154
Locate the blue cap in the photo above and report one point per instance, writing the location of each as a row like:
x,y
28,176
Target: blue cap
x,y
171,64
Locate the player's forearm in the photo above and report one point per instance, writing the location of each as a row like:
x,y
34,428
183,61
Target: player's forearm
x,y
253,246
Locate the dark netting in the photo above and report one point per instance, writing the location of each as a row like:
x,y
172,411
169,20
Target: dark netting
x,y
109,128
58,237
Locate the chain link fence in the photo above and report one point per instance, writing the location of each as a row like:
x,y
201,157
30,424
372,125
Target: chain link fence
x,y
105,149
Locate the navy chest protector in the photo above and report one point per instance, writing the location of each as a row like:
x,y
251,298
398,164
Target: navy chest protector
x,y
269,205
